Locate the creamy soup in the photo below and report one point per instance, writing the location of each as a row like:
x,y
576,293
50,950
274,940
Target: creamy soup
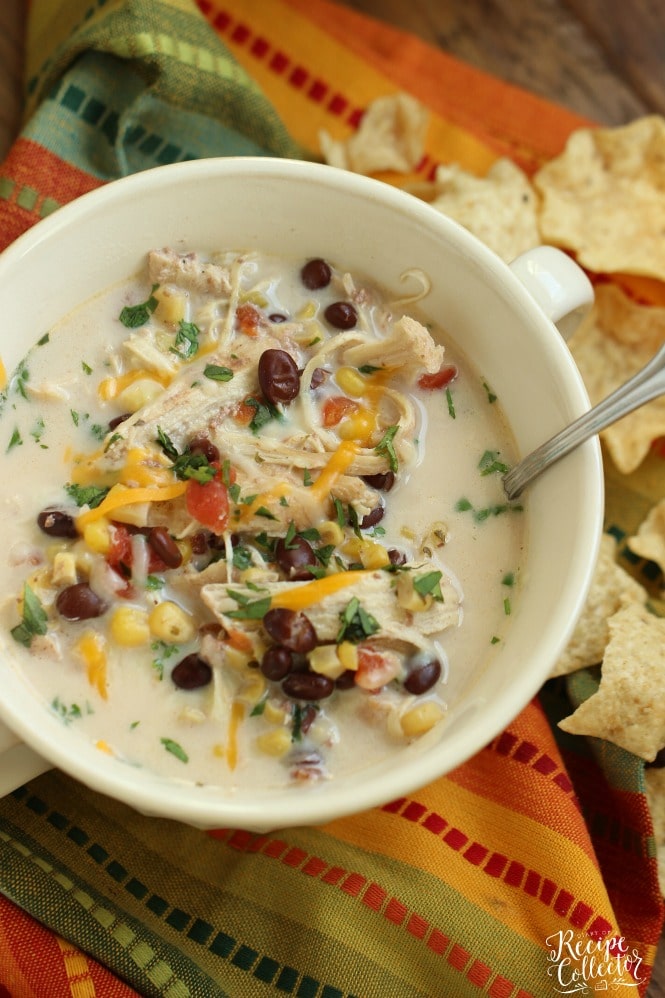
x,y
253,531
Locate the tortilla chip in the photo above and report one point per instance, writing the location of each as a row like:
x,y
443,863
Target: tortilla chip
x,y
499,208
391,136
604,198
649,541
611,588
629,707
616,339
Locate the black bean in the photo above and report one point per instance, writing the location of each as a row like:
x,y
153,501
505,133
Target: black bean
x,y
397,557
316,274
346,681
276,662
384,481
341,315
204,445
423,677
55,523
79,602
372,518
191,673
290,628
278,376
277,317
307,686
117,420
319,376
295,557
165,547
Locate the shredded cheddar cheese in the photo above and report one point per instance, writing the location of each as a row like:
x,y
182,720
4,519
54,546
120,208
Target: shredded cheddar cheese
x,y
121,495
110,388
92,649
237,715
340,461
309,593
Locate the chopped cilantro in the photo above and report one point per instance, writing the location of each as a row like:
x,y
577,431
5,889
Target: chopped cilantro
x,y
217,373
15,440
133,316
491,397
306,478
186,340
356,623
43,340
451,404
429,584
263,413
490,463
386,446
508,579
175,749
86,367
506,606
33,619
86,495
68,713
248,609
368,369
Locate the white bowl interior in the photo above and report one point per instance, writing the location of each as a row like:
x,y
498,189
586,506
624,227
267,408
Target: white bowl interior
x,y
303,210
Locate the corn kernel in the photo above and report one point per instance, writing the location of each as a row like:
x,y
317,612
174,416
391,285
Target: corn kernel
x,y
139,393
136,514
274,714
129,626
171,304
330,532
169,622
276,742
409,598
420,719
97,535
348,655
352,547
360,426
351,381
373,555
308,311
253,688
235,658
325,661
64,569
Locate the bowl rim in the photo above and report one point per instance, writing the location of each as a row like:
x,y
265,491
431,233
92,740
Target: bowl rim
x,y
281,809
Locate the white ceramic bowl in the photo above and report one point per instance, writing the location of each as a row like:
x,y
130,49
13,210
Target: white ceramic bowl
x,y
304,210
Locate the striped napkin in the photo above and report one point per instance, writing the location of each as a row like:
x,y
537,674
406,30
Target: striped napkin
x,y
506,878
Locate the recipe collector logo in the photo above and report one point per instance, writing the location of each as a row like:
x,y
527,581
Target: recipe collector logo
x,y
578,963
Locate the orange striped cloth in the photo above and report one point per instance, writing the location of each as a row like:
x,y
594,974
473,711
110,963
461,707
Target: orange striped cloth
x,y
527,872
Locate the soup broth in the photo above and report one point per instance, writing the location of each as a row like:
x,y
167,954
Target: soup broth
x,y
254,530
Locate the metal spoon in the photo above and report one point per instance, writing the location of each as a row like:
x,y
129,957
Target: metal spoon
x,y
644,386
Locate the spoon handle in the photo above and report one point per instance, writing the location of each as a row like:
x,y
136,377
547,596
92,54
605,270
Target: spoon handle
x,y
647,384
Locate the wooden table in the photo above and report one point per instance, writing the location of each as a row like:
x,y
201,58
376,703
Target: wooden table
x,y
601,58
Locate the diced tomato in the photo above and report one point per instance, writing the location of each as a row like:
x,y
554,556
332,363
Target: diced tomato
x,y
440,379
244,413
336,408
120,552
208,503
249,319
375,668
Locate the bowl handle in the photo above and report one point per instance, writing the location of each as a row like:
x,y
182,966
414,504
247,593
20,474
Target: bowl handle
x,y
557,284
18,763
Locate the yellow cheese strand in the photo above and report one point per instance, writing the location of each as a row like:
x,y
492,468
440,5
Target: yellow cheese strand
x,y
110,388
237,714
91,648
309,593
336,466
121,495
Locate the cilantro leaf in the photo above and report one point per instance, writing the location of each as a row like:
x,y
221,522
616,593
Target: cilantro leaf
x,y
133,316
175,749
217,373
34,619
356,622
186,340
386,446
86,495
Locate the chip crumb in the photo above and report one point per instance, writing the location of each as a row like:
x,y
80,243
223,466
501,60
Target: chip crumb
x,y
391,136
611,588
629,707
